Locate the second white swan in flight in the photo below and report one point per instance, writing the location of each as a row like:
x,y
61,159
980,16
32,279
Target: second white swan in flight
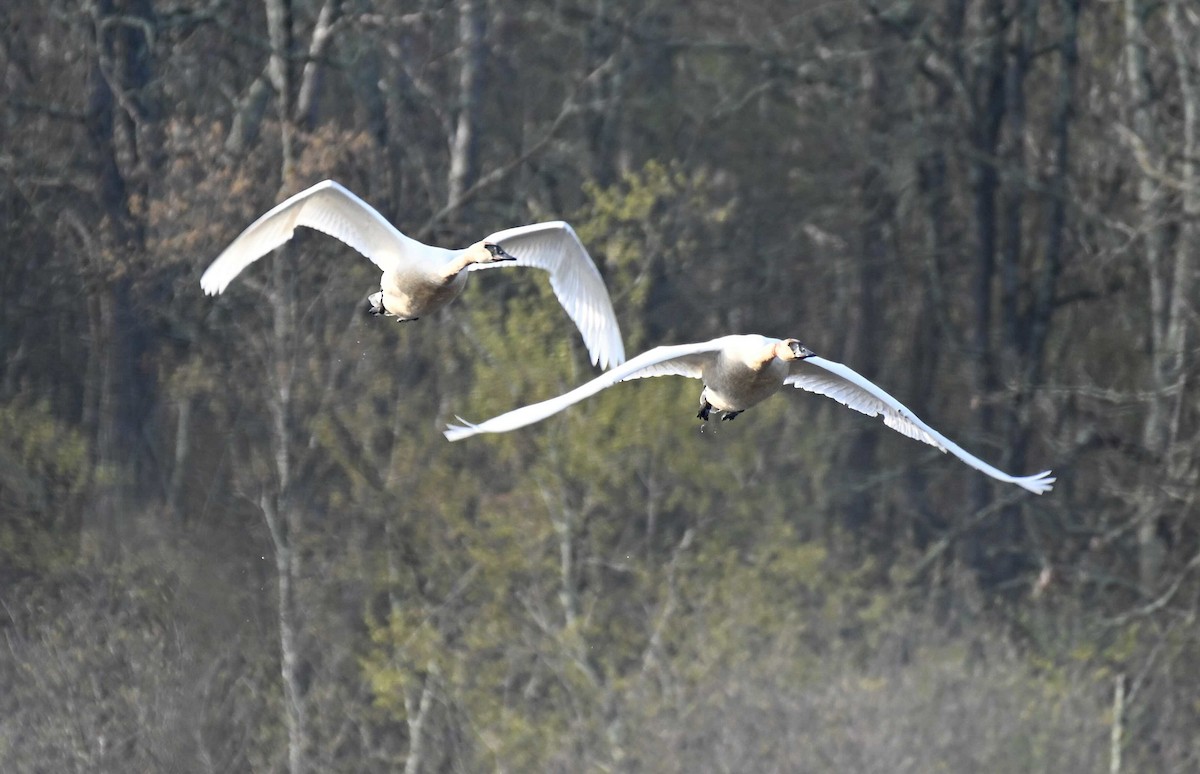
x,y
419,279
740,371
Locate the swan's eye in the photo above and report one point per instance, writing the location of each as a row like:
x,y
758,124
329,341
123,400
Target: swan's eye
x,y
493,249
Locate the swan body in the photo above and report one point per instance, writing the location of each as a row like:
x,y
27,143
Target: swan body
x,y
742,370
419,279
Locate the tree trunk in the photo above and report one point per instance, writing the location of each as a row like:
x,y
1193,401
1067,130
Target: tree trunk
x,y
1169,288
125,391
1016,185
279,507
279,68
417,714
1173,290
877,210
308,96
1035,325
601,43
280,512
932,185
464,162
247,119
183,440
985,135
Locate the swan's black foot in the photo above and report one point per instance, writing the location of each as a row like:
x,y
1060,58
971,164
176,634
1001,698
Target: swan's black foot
x,y
705,408
729,415
375,305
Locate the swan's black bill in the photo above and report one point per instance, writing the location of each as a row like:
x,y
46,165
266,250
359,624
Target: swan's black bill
x,y
498,253
801,351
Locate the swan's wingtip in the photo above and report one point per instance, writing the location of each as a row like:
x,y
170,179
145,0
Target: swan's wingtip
x,y
1038,484
608,360
458,432
212,282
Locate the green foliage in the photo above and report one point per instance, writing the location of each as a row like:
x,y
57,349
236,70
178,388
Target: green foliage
x,y
44,472
631,217
653,228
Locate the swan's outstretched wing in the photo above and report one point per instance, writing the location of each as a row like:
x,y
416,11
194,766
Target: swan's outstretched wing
x,y
555,248
326,207
680,360
851,389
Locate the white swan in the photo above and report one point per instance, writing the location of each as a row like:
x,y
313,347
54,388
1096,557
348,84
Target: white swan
x,y
740,371
419,279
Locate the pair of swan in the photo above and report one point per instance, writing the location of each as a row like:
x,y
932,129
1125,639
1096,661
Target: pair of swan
x,y
738,371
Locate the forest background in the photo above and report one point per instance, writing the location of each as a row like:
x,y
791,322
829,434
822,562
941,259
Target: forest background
x,y
232,537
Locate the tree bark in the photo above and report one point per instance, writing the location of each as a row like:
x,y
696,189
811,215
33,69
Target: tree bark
x,y
1170,285
988,117
877,210
417,714
280,512
279,69
1016,185
308,96
1035,326
601,43
464,162
247,118
183,440
126,390
279,507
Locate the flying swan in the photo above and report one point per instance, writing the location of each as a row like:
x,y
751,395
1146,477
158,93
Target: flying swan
x,y
740,371
419,279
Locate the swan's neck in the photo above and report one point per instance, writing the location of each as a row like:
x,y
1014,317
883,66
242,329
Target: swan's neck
x,y
762,358
456,263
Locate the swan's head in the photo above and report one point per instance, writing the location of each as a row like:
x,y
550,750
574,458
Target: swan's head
x,y
792,349
487,252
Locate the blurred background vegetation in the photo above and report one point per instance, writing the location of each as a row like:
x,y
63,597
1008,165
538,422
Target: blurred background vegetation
x,y
232,537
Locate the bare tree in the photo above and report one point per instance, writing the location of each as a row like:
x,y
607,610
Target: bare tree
x,y
1169,271
123,148
278,505
472,53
